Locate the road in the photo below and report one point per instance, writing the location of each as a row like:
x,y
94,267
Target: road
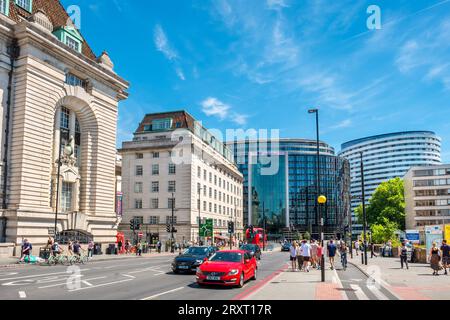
x,y
125,279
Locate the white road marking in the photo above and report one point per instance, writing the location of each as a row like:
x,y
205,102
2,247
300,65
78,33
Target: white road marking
x,y
87,283
359,292
22,294
128,276
101,285
377,293
39,275
162,293
65,282
158,274
337,280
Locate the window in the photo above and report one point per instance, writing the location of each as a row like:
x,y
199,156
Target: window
x,y
204,175
153,220
139,170
169,220
65,116
73,80
210,207
139,219
138,203
138,187
25,4
4,7
161,124
172,168
139,156
155,169
199,172
171,202
172,186
66,197
154,203
155,186
210,192
155,155
204,205
204,191
72,43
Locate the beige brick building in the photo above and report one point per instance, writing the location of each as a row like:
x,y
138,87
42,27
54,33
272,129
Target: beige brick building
x,y
62,104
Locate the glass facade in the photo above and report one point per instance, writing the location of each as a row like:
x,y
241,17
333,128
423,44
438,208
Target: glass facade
x,y
282,181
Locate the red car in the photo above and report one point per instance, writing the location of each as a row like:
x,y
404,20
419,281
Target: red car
x,y
227,268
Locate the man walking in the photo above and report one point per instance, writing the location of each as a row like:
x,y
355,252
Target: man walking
x,y
332,253
357,247
343,253
26,250
404,255
306,252
445,256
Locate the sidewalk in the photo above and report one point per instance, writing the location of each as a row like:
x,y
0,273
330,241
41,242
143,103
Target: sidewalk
x,y
417,283
290,285
12,262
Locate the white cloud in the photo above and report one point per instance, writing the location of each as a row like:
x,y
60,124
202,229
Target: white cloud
x,y
276,4
162,43
180,73
214,107
343,124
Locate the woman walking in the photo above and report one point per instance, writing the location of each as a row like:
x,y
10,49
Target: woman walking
x,y
435,259
293,253
404,255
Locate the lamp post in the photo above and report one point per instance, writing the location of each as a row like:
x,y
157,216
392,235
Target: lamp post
x,y
172,249
363,200
264,227
199,212
58,181
320,199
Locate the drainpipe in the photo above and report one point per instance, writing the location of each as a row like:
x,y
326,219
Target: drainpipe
x,y
14,51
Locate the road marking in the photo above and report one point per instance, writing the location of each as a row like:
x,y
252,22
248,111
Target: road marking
x,y
162,293
22,294
65,282
39,275
337,280
128,276
159,274
101,285
359,292
377,292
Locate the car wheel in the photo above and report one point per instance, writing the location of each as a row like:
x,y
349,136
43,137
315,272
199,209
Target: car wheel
x,y
255,272
241,280
175,271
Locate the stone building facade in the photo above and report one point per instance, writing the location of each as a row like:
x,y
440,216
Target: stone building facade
x,y
59,105
172,156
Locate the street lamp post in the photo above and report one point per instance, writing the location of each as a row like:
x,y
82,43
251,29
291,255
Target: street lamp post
x,y
58,181
363,200
172,225
264,227
319,198
199,213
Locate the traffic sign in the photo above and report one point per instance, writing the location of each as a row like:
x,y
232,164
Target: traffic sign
x,y
51,231
206,229
140,234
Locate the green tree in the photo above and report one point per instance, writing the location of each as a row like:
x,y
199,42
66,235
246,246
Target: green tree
x,y
384,232
307,236
387,202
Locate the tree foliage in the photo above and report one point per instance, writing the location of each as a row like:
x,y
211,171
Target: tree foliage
x,y
386,205
382,233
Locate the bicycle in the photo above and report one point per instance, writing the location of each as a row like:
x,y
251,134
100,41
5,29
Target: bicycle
x,y
78,258
58,259
344,261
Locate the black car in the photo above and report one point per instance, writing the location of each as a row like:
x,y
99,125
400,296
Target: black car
x,y
191,258
253,249
286,246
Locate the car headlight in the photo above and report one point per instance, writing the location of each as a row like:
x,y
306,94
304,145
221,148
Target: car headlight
x,y
233,272
198,261
199,271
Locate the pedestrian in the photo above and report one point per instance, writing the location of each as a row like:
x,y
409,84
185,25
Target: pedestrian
x,y
70,248
404,255
119,245
127,246
139,249
90,249
435,259
314,248
293,255
372,250
306,253
357,247
331,253
343,254
77,248
158,245
319,256
445,249
26,250
300,257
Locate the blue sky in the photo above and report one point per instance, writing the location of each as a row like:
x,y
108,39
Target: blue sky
x,y
264,63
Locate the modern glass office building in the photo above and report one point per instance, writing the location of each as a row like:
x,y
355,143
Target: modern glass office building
x,y
385,157
280,185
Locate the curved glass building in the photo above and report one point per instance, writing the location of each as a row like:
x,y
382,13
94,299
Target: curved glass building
x,y
388,156
280,185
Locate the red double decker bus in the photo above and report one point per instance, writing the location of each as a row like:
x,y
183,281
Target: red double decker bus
x,y
256,237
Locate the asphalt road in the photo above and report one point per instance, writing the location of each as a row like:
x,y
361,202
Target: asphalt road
x,y
125,279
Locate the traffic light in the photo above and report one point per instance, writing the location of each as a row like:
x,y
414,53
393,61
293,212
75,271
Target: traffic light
x,y
137,226
168,228
132,224
230,227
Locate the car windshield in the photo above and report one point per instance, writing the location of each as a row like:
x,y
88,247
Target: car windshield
x,y
248,247
196,251
227,257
